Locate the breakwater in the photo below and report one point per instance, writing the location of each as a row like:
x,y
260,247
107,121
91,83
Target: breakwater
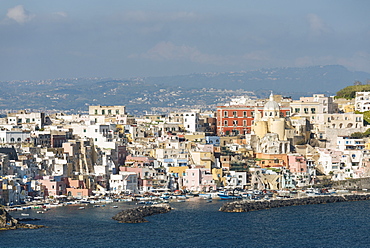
x,y
7,222
250,205
136,215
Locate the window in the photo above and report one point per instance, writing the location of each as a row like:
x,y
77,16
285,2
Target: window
x,y
117,111
245,114
244,123
103,111
225,113
225,123
235,114
109,112
96,111
297,110
305,110
235,123
313,110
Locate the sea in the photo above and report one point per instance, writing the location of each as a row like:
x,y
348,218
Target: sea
x,y
198,223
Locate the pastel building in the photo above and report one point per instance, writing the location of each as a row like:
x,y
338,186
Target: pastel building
x,y
124,182
198,179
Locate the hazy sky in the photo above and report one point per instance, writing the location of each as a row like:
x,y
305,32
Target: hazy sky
x,y
46,39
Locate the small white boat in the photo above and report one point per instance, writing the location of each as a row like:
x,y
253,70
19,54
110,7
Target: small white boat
x,y
80,208
23,214
115,206
40,212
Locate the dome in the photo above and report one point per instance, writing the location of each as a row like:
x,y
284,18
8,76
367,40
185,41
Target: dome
x,y
271,105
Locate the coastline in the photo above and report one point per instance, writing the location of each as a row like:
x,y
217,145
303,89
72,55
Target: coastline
x,y
254,205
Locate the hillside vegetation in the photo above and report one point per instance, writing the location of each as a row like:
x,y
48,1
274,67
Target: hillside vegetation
x,y
349,92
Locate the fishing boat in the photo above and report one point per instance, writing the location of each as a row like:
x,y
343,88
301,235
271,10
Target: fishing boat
x,y
225,196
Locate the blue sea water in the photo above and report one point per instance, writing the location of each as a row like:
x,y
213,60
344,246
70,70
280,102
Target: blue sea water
x,y
197,223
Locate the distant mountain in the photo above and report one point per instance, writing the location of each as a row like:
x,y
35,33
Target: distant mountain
x,y
330,78
159,94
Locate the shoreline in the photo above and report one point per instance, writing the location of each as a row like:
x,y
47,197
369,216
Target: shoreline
x,y
254,205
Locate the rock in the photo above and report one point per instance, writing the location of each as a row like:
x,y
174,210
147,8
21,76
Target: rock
x,y
7,222
136,215
246,206
27,219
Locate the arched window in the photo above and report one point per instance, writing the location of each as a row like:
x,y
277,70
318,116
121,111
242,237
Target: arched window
x,y
11,139
19,140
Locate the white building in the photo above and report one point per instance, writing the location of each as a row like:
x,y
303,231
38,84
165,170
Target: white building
x,y
124,182
14,136
362,101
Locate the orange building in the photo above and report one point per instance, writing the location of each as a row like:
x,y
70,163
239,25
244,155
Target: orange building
x,y
271,160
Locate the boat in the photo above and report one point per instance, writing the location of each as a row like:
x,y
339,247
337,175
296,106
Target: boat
x,y
24,214
115,206
80,208
40,212
224,196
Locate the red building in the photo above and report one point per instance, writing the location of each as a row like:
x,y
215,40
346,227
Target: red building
x,y
238,119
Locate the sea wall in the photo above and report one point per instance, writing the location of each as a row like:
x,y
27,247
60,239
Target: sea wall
x,y
250,205
136,215
352,184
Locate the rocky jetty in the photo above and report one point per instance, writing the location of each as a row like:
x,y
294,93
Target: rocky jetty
x,y
136,215
7,222
246,206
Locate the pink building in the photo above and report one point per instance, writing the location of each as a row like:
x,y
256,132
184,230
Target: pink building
x,y
53,188
198,179
145,176
78,192
297,163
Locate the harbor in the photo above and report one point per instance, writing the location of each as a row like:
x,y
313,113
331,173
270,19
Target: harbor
x,y
198,223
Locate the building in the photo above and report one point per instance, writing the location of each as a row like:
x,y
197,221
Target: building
x,y
238,119
124,182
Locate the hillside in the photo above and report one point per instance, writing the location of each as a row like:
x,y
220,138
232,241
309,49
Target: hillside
x,y
349,92
160,94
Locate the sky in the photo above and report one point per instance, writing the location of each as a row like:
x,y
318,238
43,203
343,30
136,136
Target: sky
x,y
49,39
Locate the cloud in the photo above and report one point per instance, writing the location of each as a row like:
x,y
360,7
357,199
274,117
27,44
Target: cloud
x,y
19,14
257,56
317,25
167,51
358,61
61,14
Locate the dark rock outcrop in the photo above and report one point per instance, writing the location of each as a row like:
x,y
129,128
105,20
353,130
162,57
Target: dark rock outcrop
x,y
246,206
7,222
136,215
